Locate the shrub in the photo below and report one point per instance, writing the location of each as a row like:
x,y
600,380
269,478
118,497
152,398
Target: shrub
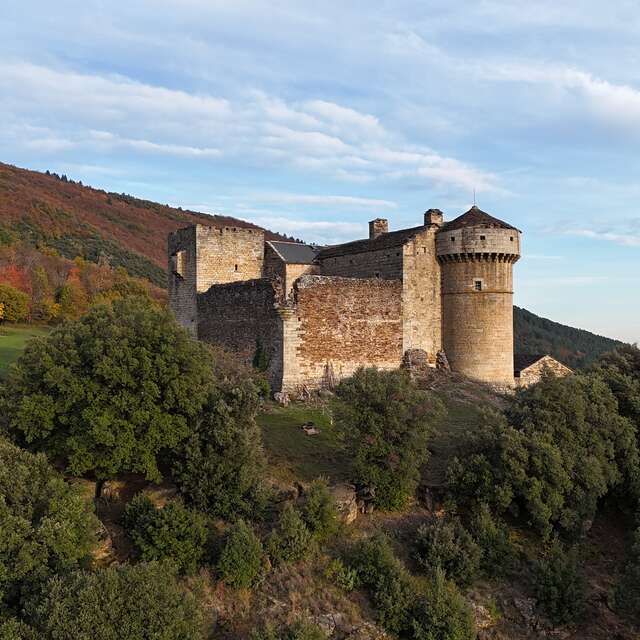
x,y
241,559
492,536
173,532
219,467
124,602
443,543
346,578
111,392
443,613
561,446
627,591
319,512
15,304
559,586
292,540
299,630
46,525
13,629
386,421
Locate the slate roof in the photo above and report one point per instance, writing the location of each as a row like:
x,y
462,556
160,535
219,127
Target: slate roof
x,y
523,360
476,218
294,252
383,241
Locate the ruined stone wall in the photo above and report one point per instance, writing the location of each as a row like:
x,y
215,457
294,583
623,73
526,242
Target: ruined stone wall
x,y
181,277
295,271
383,263
228,254
336,325
478,325
421,295
238,316
273,266
533,374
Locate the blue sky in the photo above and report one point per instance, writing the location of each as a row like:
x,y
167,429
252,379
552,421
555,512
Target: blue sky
x,y
312,118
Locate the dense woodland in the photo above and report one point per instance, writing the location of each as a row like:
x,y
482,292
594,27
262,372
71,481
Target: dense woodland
x,y
217,543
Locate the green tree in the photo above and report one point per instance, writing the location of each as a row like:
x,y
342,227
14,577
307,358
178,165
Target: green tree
x,y
386,421
171,533
444,543
241,560
110,392
140,602
46,526
15,304
319,511
219,466
627,591
291,541
559,586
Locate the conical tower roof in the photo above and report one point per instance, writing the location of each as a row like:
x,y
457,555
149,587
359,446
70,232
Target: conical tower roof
x,y
476,218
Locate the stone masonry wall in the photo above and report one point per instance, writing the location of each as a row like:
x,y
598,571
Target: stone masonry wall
x,y
384,263
228,254
238,316
339,324
182,286
534,373
421,295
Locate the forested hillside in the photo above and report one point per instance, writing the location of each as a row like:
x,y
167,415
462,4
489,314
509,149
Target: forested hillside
x,y
575,347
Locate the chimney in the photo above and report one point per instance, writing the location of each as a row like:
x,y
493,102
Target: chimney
x,y
433,216
377,227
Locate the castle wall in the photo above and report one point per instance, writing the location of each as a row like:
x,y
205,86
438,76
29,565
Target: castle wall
x,y
228,254
181,277
421,295
478,325
383,263
239,315
339,324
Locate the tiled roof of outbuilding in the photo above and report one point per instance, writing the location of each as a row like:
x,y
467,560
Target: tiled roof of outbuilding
x,y
383,241
476,218
294,252
522,361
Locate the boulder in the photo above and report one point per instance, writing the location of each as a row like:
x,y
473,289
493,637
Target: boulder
x,y
346,501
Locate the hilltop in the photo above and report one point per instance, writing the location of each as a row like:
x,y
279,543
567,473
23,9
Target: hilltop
x,y
52,211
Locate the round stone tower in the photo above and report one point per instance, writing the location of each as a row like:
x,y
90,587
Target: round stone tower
x,y
476,253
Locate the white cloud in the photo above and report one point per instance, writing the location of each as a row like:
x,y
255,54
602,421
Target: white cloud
x,y
105,112
326,201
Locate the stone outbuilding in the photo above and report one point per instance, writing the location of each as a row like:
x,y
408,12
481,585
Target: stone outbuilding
x,y
529,368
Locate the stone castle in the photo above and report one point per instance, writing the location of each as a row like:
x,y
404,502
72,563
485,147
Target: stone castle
x,y
311,315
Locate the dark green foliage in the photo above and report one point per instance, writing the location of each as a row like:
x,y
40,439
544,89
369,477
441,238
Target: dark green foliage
x,y
575,347
261,357
14,305
492,536
559,586
219,466
110,392
319,511
386,421
13,629
443,613
140,602
173,532
627,591
444,543
440,613
346,578
241,560
46,526
291,541
561,446
299,630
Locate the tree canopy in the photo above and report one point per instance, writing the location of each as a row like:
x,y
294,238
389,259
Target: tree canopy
x,y
109,392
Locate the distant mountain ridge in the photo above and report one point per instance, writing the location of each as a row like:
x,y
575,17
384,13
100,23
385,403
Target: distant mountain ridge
x,y
48,210
574,347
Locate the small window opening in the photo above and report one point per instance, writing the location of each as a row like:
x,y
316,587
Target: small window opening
x,y
179,260
453,239
424,249
235,267
377,274
483,237
511,238
477,285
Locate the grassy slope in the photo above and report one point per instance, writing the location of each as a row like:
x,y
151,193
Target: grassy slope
x,y
12,341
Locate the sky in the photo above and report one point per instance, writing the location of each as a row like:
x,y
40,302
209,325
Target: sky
x,y
313,118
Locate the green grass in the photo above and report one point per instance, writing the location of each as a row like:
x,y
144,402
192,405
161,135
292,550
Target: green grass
x,y
296,455
12,341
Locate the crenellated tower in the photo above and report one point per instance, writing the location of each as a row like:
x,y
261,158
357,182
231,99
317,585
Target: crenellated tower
x,y
476,253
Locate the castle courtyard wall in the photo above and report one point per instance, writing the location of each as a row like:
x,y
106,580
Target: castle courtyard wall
x,y
336,325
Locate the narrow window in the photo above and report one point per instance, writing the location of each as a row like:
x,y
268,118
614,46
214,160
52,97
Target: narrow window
x,y
377,274
424,249
235,267
511,238
453,239
483,237
179,260
477,285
